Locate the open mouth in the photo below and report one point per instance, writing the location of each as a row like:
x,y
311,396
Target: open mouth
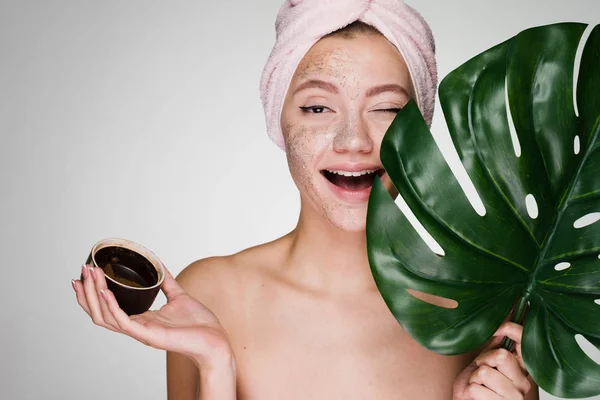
x,y
359,180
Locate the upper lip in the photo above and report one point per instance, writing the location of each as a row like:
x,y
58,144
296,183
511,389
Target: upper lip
x,y
353,167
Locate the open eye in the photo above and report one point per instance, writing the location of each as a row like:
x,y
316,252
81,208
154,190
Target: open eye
x,y
314,109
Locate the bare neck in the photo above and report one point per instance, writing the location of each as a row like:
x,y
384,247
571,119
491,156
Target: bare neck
x,y
325,258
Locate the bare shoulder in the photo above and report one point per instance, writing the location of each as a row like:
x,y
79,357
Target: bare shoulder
x,y
206,274
220,280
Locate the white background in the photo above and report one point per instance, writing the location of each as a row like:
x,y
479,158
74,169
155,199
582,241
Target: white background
x,y
142,119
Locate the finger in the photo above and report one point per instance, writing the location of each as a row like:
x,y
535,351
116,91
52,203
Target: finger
x,y
91,295
506,363
515,333
498,338
477,392
506,329
170,286
78,287
511,330
495,381
106,314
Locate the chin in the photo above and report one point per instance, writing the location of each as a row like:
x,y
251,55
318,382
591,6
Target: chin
x,y
349,219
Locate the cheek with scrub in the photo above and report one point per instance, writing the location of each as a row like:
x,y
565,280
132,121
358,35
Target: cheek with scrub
x,y
303,146
301,143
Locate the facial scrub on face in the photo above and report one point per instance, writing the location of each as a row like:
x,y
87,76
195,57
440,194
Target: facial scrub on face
x,y
301,23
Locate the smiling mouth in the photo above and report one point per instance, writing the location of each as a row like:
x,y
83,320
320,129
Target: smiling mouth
x,y
359,180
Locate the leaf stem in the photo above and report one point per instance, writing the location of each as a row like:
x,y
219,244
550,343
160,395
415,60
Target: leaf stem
x,y
517,317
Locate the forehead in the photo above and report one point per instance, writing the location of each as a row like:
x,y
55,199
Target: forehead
x,y
364,55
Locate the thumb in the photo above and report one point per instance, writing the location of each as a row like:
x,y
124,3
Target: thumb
x,y
170,286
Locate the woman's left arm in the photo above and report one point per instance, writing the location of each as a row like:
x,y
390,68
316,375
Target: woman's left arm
x,y
534,392
497,373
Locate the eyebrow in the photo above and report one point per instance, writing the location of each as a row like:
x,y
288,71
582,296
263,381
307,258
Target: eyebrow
x,y
374,91
316,83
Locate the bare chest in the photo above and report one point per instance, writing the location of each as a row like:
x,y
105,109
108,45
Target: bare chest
x,y
358,352
318,373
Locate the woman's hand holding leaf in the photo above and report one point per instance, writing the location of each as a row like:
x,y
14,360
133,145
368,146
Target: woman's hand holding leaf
x,y
496,373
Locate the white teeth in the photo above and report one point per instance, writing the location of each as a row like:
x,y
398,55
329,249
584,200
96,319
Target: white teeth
x,y
357,173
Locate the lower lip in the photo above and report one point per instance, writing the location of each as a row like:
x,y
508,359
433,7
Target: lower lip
x,y
349,196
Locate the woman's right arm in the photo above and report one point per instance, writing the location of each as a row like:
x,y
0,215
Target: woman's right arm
x,y
183,327
183,378
185,381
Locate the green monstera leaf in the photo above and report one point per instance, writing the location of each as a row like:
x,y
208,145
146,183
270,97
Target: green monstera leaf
x,y
514,256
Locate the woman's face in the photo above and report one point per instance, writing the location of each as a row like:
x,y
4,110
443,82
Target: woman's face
x,y
342,99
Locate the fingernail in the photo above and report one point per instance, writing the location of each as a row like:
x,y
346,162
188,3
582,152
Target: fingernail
x,y
84,271
103,294
73,284
93,273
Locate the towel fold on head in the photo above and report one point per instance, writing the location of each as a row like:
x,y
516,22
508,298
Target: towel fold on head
x,y
301,23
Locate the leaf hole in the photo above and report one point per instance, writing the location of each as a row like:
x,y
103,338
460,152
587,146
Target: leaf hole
x,y
562,266
446,146
588,348
577,145
511,124
532,207
433,299
577,65
421,231
587,220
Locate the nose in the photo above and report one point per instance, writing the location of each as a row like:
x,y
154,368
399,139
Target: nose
x,y
353,137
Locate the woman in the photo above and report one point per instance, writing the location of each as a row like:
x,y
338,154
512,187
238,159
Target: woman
x,y
301,317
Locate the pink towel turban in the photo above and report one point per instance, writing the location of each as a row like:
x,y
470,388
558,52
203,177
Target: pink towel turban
x,y
301,23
